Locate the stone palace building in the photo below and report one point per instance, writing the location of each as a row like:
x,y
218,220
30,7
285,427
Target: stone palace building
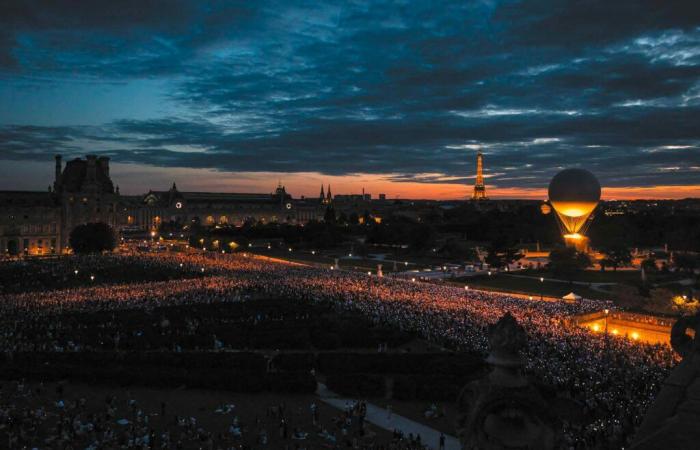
x,y
40,222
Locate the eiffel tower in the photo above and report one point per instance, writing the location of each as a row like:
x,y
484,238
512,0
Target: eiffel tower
x,y
479,187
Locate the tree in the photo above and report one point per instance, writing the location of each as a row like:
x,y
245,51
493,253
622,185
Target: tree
x,y
627,296
649,265
421,237
616,256
498,258
685,261
660,300
92,238
565,262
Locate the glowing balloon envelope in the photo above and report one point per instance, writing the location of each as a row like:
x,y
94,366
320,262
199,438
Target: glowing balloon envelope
x,y
574,194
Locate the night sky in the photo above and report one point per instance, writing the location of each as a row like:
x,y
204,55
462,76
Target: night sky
x,y
394,97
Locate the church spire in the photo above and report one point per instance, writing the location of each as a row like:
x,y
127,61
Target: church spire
x,y
329,197
322,197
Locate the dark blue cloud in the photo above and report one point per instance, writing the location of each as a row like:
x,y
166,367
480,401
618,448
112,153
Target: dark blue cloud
x,y
403,89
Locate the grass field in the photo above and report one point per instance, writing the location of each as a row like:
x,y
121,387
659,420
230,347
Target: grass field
x,y
609,276
328,258
531,286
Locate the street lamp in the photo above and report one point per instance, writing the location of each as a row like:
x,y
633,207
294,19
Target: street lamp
x,y
607,349
541,288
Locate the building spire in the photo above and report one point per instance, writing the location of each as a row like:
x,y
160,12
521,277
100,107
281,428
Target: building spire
x,y
322,197
479,187
329,197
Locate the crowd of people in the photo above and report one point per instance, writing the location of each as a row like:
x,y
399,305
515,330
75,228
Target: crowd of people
x,y
58,416
63,272
612,378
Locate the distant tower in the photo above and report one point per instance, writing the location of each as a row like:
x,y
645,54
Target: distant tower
x,y
329,196
479,188
322,197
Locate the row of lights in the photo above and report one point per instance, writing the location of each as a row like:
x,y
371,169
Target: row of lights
x,y
634,335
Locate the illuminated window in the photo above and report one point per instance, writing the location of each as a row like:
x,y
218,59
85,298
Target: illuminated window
x,y
210,220
223,219
130,220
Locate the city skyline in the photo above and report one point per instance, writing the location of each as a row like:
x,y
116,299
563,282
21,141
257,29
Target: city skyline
x,y
386,97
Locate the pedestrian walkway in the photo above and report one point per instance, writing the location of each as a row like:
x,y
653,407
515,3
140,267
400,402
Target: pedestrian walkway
x,y
381,418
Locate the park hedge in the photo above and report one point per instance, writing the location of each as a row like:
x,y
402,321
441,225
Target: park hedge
x,y
237,372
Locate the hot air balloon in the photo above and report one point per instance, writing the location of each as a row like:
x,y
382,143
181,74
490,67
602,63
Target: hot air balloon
x,y
574,194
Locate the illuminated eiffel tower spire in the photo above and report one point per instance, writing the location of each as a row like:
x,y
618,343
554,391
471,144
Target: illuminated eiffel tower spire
x,y
479,187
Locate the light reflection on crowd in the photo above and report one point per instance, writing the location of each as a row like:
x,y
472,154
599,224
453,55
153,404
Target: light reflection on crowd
x,y
613,379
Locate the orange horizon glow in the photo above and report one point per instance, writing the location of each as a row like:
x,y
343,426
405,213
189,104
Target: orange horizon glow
x,y
308,184
136,179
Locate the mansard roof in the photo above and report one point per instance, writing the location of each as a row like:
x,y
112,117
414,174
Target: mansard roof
x,y
74,177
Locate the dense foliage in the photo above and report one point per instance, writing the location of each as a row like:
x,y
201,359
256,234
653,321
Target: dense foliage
x,y
92,238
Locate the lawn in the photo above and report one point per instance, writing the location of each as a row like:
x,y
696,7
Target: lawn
x,y
592,276
531,286
610,276
328,258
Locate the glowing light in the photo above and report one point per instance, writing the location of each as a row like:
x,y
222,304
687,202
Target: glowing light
x,y
413,279
76,272
92,277
635,335
596,327
575,236
615,332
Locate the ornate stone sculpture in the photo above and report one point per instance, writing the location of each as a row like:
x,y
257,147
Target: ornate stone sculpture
x,y
503,410
672,421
